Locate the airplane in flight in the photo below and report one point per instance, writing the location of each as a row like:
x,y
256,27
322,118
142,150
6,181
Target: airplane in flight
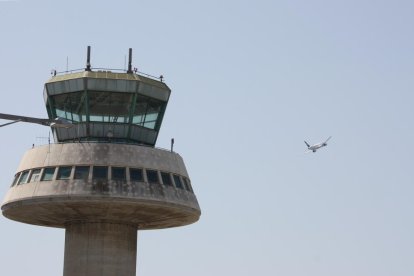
x,y
315,147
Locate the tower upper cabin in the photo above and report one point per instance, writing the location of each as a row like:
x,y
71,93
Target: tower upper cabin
x,y
107,106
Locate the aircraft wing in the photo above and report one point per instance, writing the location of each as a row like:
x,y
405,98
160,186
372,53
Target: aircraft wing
x,y
17,118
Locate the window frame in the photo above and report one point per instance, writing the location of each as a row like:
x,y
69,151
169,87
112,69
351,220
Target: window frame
x,y
76,173
16,179
180,183
167,176
132,179
59,176
42,178
36,174
148,172
123,178
95,171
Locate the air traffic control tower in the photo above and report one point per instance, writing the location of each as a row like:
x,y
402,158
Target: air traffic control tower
x,y
103,178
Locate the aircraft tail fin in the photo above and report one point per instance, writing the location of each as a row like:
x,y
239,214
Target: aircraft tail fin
x,y
307,144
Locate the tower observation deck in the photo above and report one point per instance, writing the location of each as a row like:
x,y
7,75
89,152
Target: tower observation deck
x,y
103,178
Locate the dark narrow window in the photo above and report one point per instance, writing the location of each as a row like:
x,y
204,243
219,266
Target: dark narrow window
x,y
48,174
166,178
100,172
16,177
64,173
187,184
81,172
135,174
152,176
177,181
118,173
35,175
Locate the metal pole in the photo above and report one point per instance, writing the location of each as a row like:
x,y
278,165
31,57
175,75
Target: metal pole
x,y
130,61
88,59
6,124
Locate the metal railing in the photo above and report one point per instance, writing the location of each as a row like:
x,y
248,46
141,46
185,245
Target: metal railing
x,y
51,142
115,70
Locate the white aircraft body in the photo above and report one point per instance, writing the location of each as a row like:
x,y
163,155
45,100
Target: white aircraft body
x,y
315,147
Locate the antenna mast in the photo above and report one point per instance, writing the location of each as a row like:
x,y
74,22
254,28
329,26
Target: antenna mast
x,y
88,59
130,61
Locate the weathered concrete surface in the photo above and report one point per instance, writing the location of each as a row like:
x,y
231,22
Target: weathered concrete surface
x,y
100,249
58,212
59,202
102,154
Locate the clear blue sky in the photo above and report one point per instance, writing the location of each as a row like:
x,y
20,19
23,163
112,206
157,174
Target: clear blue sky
x,y
251,80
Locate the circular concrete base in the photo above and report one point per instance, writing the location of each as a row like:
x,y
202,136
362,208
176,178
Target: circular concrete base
x,y
57,201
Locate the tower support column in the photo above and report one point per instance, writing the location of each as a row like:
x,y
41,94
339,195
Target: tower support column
x,y
100,248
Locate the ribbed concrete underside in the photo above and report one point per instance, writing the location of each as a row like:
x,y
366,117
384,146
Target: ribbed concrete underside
x,y
59,211
100,249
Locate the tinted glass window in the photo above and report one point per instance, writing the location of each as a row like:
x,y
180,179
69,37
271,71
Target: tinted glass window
x,y
23,177
48,174
147,111
166,179
100,172
70,106
109,106
118,173
35,175
64,173
81,172
152,176
187,184
177,181
135,174
16,177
